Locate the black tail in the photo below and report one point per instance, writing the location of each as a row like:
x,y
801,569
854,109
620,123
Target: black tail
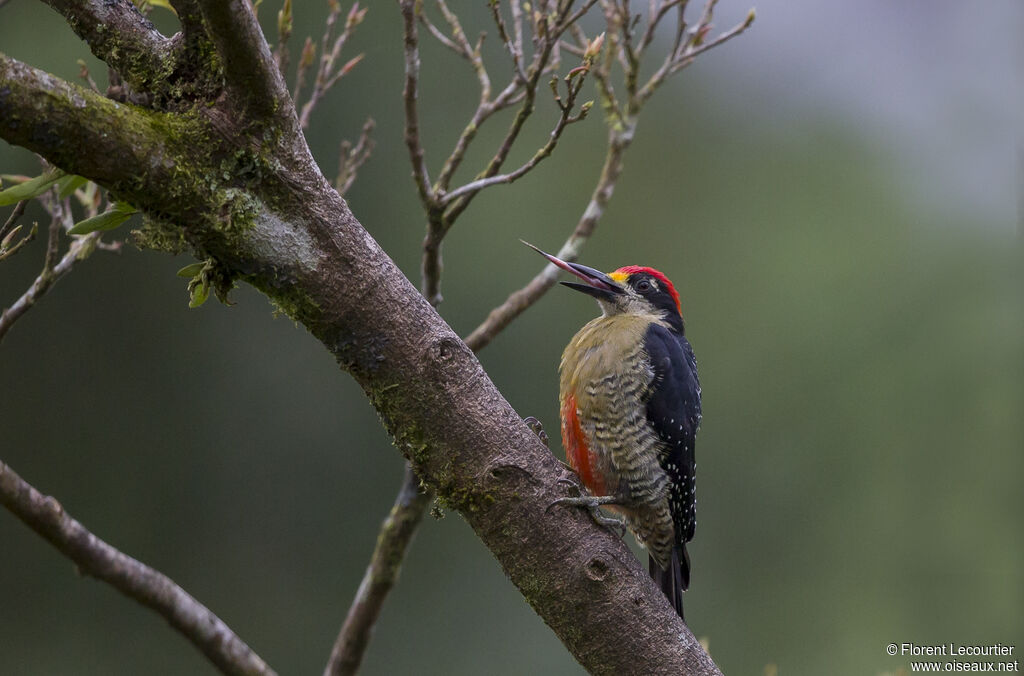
x,y
675,580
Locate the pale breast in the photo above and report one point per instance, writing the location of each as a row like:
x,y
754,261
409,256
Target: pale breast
x,y
606,347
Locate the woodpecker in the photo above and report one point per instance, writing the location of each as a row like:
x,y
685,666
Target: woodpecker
x,y
630,408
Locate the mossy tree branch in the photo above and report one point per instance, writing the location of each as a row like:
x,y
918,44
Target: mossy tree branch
x,y
130,150
120,36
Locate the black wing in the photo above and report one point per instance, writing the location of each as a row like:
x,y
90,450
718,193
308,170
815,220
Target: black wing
x,y
673,410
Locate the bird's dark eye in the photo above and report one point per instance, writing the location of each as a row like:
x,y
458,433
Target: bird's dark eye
x,y
643,285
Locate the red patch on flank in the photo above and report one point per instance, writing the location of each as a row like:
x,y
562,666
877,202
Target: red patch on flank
x,y
657,274
576,449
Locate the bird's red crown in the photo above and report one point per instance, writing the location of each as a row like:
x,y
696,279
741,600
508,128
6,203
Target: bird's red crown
x,y
623,273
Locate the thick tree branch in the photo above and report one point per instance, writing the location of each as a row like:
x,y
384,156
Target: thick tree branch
x,y
131,151
132,578
119,35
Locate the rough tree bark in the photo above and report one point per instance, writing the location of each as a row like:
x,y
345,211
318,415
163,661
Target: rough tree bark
x,y
231,178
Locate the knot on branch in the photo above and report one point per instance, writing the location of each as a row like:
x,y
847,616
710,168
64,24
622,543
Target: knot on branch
x,y
446,349
597,569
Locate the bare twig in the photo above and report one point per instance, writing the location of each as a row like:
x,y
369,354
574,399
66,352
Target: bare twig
x,y
461,42
395,535
305,61
683,52
573,85
8,247
351,158
438,33
410,94
284,33
83,72
134,579
547,35
53,270
19,211
328,72
442,209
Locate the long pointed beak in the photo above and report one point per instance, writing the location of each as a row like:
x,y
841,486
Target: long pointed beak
x,y
598,284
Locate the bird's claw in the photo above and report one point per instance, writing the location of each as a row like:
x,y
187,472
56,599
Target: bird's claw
x,y
573,486
537,429
592,504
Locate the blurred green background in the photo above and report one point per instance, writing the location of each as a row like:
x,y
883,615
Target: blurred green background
x,y
835,195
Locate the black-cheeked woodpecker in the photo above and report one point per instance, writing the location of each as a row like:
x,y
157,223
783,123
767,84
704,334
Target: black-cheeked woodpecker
x,y
630,407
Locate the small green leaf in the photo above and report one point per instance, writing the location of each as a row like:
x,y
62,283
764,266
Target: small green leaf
x,y
108,220
200,292
191,270
30,188
66,185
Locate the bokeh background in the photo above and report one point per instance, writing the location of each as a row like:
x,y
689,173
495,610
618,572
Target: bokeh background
x,y
836,194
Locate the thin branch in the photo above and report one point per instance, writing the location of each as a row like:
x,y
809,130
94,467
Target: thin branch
x,y
7,249
83,73
654,18
351,158
250,72
330,51
410,93
19,211
574,84
52,272
547,36
683,52
514,45
471,53
284,33
305,62
120,36
61,219
134,579
510,96
687,57
438,33
395,535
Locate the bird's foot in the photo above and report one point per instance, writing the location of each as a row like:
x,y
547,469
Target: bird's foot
x,y
592,503
537,429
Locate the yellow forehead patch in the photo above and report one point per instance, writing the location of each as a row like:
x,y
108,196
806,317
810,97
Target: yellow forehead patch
x,y
619,277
